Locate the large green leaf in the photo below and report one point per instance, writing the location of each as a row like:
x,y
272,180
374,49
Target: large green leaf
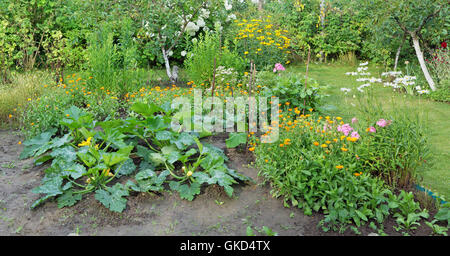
x,y
186,191
236,139
113,197
51,187
146,110
183,141
68,199
37,144
121,155
128,167
77,118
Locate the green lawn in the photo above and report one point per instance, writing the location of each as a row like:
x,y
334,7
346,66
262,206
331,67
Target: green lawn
x,y
436,176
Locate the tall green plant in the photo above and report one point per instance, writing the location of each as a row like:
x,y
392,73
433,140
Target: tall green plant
x,y
102,58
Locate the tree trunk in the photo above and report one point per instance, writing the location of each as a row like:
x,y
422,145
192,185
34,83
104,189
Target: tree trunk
x,y
421,61
167,64
397,55
260,5
322,25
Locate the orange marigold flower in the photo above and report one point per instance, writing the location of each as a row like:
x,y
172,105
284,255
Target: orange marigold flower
x,y
339,167
316,143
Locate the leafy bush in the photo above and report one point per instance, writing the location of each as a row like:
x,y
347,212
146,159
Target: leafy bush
x,y
316,166
290,89
200,60
441,94
444,214
261,41
42,113
84,159
396,151
439,64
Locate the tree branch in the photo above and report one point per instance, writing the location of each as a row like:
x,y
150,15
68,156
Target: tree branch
x,y
425,21
184,26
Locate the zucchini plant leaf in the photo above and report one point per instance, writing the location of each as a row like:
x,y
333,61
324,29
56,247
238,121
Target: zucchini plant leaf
x,y
68,198
186,191
236,139
51,187
127,168
113,197
37,143
146,110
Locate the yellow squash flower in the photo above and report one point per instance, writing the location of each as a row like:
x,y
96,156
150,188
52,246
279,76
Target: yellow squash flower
x,y
85,143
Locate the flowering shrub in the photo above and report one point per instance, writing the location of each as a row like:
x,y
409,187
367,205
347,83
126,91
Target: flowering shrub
x,y
261,41
324,164
394,149
439,64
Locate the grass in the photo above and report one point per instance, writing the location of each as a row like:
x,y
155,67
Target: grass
x,y
23,86
435,175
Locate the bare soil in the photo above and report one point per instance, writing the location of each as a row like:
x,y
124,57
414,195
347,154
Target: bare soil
x,y
210,213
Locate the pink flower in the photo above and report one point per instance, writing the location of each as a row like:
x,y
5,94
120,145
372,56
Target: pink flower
x,y
345,129
354,120
383,123
355,135
278,67
372,129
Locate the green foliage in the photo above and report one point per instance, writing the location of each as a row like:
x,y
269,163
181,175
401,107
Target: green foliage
x,y
236,139
200,60
291,91
444,213
317,168
85,159
394,152
261,42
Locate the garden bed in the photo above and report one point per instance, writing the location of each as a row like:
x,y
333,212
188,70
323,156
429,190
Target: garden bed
x,y
210,213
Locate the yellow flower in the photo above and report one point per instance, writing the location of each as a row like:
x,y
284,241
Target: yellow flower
x,y
344,149
20,142
252,149
85,143
189,173
107,172
324,145
246,53
339,166
316,143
